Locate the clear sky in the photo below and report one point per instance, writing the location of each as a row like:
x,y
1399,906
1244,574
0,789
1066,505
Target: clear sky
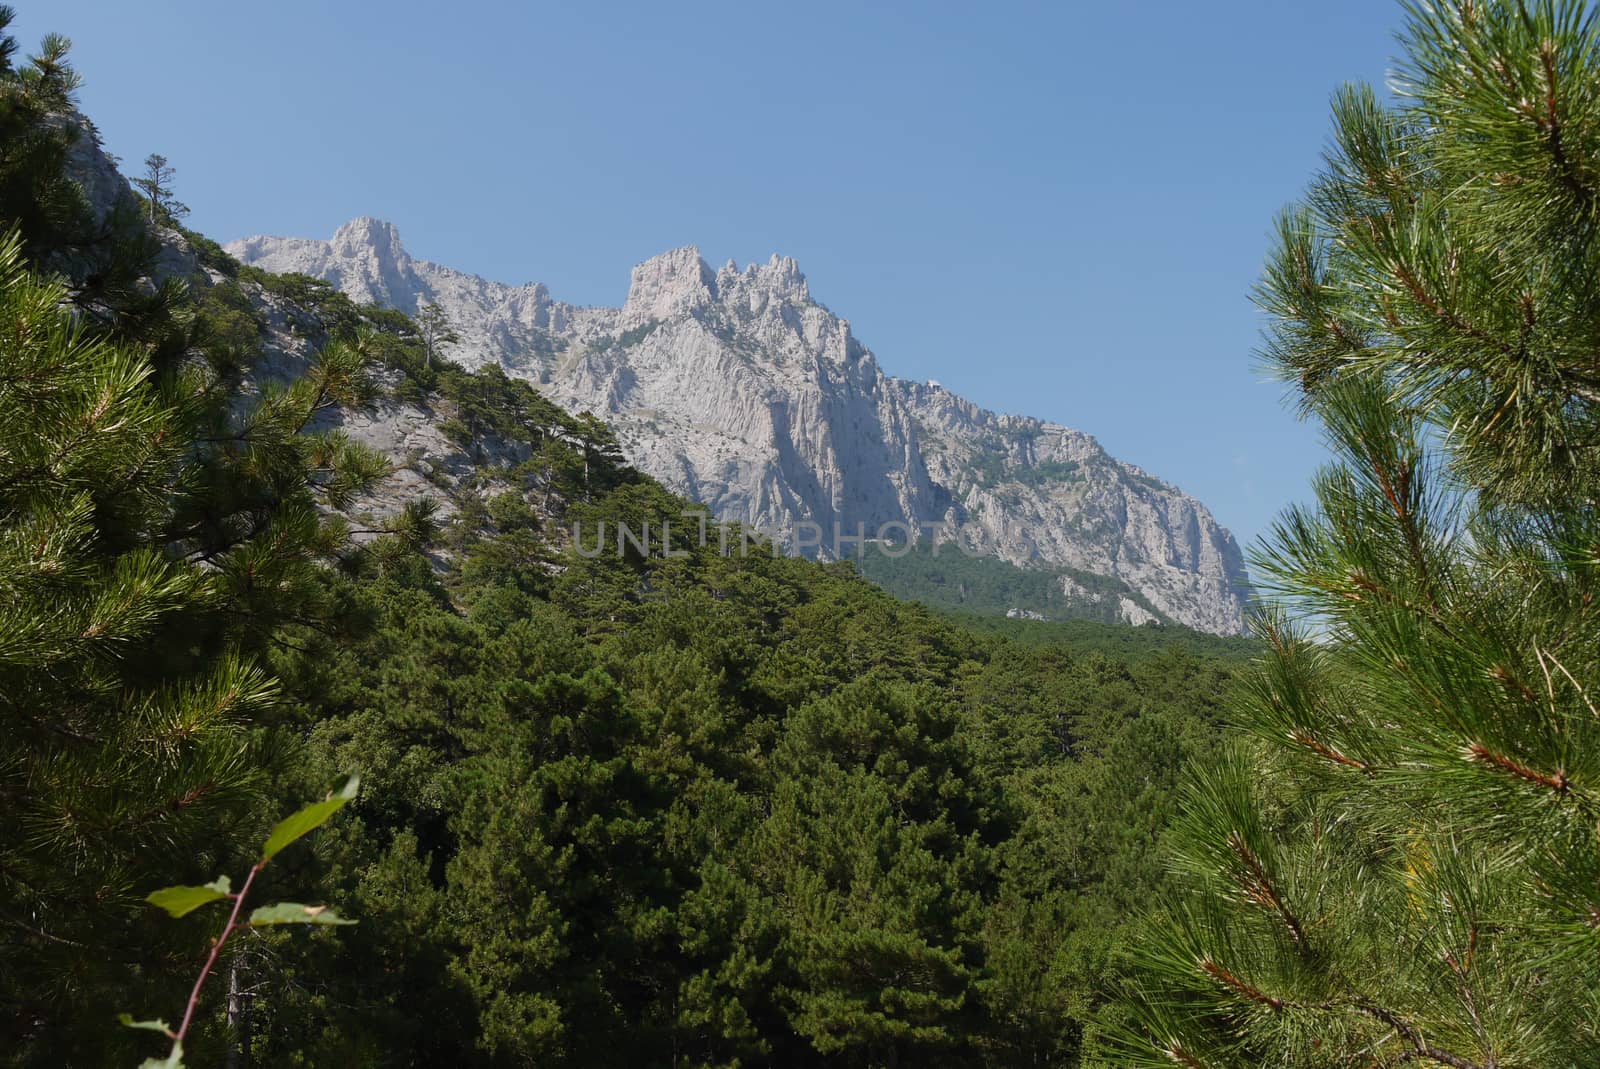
x,y
1054,209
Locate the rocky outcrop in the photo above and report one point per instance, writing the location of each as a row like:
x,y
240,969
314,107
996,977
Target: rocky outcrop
x,y
424,462
406,426
737,389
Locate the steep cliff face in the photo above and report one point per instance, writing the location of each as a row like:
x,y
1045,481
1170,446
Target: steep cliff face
x,y
736,388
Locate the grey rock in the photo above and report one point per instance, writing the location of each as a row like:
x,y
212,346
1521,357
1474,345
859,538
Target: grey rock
x,y
739,390
424,461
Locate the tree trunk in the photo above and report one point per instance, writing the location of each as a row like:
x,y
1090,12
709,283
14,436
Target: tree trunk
x,y
238,1016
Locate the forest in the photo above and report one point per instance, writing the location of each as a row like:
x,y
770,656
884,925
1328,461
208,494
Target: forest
x,y
716,810
702,810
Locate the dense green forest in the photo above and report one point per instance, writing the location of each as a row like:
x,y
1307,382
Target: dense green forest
x,y
1116,641
703,810
943,577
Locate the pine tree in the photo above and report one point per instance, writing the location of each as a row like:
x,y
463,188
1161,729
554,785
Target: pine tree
x,y
100,780
873,847
435,332
158,534
35,193
1398,861
150,547
164,209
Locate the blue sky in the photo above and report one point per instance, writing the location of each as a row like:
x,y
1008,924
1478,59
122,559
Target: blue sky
x,y
1054,209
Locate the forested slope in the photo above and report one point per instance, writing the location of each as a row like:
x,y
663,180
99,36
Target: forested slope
x,y
641,809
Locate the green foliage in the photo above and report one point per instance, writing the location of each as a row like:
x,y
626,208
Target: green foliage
x,y
434,332
153,536
211,254
745,810
96,694
994,469
37,197
159,533
315,306
103,253
1115,641
1448,246
294,913
227,325
307,820
943,577
162,207
127,1021
180,901
1048,471
1396,863
174,1060
647,809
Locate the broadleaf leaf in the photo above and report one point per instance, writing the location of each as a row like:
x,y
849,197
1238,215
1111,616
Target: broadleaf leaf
x,y
309,819
171,1061
294,913
127,1021
181,900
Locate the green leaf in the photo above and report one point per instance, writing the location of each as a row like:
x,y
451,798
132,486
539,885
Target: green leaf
x,y
294,913
171,1061
127,1021
308,819
181,900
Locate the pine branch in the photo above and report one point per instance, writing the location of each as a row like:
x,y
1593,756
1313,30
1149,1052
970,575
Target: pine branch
x,y
1315,745
1258,888
1569,176
1420,1048
1181,1056
1556,781
1454,320
1240,987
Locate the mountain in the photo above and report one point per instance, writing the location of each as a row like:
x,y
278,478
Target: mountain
x,y
739,390
661,803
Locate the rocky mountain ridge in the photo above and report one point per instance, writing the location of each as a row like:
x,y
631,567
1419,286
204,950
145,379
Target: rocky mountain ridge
x,y
738,389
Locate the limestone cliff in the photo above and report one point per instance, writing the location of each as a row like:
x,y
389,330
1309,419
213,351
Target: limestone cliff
x,y
738,389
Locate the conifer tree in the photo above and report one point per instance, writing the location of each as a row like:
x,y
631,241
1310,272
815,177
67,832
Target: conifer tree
x,y
1398,863
35,193
158,533
435,331
149,548
162,206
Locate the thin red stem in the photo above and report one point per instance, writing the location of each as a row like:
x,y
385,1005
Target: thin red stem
x,y
216,948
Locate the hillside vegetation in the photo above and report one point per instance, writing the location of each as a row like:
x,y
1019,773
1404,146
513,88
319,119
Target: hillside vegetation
x,y
667,806
944,577
635,810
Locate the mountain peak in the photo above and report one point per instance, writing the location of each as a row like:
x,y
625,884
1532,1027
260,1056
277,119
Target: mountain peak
x,y
364,258
671,283
365,234
773,415
779,278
